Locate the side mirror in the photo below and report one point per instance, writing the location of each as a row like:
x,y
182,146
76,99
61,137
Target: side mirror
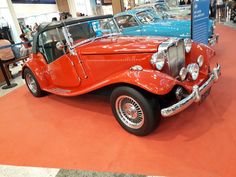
x,y
60,45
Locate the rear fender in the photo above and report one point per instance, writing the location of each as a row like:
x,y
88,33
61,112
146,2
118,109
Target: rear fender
x,y
38,71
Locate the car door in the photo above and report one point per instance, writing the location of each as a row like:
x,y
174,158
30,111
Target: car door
x,y
128,25
157,29
60,69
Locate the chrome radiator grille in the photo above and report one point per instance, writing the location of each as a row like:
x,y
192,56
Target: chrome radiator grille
x,y
176,57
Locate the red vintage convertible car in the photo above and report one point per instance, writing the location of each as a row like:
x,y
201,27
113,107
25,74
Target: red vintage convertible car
x,y
150,77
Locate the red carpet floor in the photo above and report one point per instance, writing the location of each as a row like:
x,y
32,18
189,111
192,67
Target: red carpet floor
x,y
81,132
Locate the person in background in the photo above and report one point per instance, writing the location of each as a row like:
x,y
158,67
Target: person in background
x,y
220,10
26,46
25,29
35,28
181,2
69,16
6,53
27,32
187,2
78,14
29,27
54,19
232,10
65,15
213,9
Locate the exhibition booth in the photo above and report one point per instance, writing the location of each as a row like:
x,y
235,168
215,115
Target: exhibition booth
x,y
128,87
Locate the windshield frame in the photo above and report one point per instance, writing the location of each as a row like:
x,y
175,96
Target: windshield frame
x,y
70,41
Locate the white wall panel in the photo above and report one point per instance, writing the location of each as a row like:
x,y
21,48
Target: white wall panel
x,y
27,10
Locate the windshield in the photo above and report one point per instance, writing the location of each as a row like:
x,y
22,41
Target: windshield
x,y
146,17
80,33
161,7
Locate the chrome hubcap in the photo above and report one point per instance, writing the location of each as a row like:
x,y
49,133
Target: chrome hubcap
x,y
129,112
31,83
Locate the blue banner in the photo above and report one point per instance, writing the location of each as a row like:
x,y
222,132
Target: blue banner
x,y
34,1
200,20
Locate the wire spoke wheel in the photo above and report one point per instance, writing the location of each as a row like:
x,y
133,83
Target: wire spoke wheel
x,y
135,112
129,112
30,81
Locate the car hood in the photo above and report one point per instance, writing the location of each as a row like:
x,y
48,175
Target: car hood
x,y
121,45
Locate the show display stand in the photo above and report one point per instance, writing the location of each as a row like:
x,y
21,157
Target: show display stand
x,y
9,84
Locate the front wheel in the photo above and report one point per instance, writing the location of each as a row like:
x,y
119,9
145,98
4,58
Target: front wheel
x,y
135,113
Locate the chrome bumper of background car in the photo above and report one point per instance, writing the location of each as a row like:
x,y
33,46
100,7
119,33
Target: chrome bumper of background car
x,y
195,96
213,40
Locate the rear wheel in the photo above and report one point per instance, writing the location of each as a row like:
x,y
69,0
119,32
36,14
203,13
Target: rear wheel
x,y
136,113
32,83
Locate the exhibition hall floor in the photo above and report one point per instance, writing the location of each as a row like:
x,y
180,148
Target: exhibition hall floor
x,y
81,132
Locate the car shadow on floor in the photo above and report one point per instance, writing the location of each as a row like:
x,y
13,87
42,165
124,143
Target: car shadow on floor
x,y
191,123
198,119
96,101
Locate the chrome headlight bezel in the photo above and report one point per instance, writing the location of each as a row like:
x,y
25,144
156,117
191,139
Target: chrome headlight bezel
x,y
193,70
200,60
188,45
158,60
183,73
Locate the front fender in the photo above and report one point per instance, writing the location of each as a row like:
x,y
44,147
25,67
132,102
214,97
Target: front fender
x,y
150,80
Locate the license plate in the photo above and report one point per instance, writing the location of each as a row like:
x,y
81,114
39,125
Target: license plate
x,y
205,95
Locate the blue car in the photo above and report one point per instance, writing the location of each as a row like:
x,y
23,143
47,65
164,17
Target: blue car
x,y
143,22
163,8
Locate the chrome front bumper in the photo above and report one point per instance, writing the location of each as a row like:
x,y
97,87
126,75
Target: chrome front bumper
x,y
213,40
195,96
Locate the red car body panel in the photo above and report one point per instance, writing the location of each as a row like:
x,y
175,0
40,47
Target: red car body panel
x,y
108,61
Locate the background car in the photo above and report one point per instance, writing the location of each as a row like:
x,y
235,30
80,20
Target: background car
x,y
143,22
178,12
148,77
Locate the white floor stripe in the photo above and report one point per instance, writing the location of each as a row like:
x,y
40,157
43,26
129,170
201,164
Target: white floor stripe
x,y
18,171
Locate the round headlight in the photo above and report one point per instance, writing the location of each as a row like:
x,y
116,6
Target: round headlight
x,y
193,70
183,73
188,45
158,60
200,60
